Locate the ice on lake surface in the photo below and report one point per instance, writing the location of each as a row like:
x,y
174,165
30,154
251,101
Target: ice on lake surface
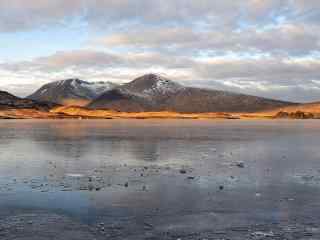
x,y
160,179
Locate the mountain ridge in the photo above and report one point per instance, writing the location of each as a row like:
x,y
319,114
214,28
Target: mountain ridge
x,y
10,101
152,92
71,91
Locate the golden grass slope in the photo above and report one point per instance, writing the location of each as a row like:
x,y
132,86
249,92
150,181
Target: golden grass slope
x,y
108,114
73,102
81,112
313,108
26,114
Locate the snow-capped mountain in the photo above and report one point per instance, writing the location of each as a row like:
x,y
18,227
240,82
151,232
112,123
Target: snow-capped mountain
x,y
152,85
141,94
152,92
71,91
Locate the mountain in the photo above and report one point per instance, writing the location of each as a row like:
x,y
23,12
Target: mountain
x,y
9,101
71,91
155,93
145,93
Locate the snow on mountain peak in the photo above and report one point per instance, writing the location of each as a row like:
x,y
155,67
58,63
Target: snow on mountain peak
x,y
162,85
95,88
69,89
100,87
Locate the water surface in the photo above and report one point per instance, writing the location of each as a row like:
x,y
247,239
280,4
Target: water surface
x,y
165,179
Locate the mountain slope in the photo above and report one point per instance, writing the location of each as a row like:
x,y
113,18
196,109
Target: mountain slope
x,y
121,100
145,93
9,101
71,91
155,93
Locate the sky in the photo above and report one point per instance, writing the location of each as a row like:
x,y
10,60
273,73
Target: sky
x,y
269,48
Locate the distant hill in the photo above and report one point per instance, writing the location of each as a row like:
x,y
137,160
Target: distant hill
x,y
9,101
300,111
152,92
307,107
71,91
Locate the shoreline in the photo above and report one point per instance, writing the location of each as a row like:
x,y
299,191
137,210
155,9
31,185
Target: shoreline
x,y
70,112
128,116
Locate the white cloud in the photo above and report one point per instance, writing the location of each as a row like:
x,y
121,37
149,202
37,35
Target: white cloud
x,y
274,43
264,75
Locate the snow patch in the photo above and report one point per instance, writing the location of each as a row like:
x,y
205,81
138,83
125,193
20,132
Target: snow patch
x,y
94,88
74,83
77,88
100,87
163,86
43,91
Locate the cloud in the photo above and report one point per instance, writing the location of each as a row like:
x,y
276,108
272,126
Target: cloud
x,y
89,59
290,40
17,15
20,15
271,70
265,47
263,75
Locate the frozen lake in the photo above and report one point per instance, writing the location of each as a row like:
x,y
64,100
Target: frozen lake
x,y
159,179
